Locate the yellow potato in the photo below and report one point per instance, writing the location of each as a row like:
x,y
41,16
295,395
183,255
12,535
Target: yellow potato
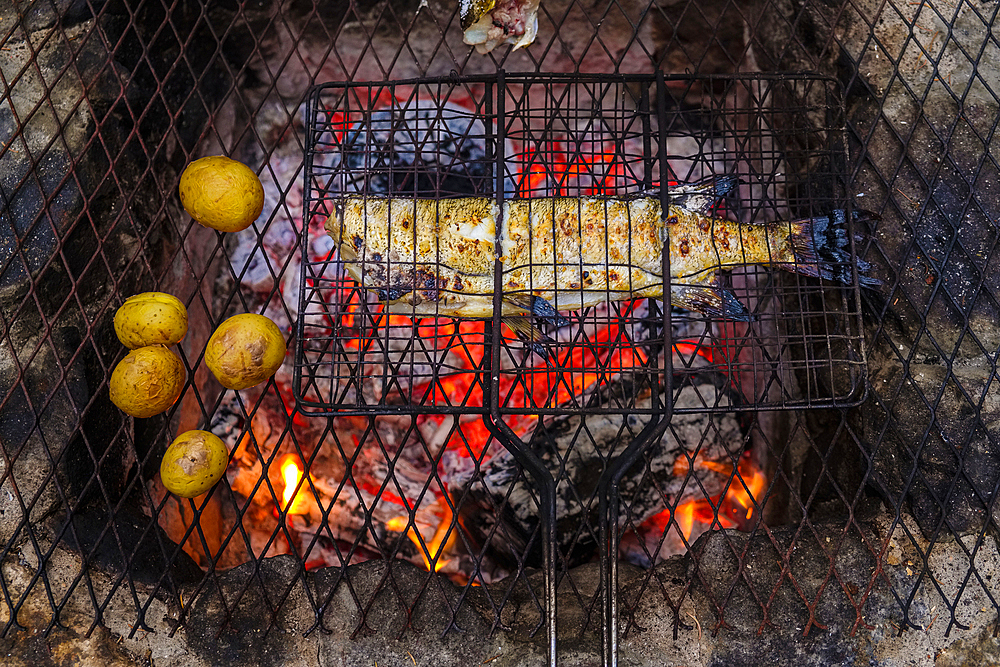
x,y
193,463
151,318
221,193
245,350
147,381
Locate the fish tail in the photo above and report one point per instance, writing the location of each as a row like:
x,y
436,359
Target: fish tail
x,y
821,248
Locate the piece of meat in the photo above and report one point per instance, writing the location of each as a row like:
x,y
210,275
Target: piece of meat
x,y
508,21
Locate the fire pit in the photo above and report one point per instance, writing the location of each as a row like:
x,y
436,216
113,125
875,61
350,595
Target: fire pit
x,y
406,396
637,479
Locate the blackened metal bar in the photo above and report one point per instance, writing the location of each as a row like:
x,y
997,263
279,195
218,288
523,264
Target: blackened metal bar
x,y
659,420
647,139
312,108
493,400
668,343
608,488
547,518
491,360
494,420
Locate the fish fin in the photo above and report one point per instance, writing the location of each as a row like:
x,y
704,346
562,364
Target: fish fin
x,y
532,336
522,301
701,196
538,307
712,300
821,247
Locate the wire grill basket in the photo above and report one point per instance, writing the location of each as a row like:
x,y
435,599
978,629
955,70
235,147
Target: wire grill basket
x,y
740,529
512,137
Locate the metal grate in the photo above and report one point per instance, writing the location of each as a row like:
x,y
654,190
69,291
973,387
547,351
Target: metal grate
x,y
522,137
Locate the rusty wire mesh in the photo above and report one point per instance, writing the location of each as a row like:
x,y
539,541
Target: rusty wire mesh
x,y
104,103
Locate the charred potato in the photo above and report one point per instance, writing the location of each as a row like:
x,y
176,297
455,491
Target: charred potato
x,y
193,463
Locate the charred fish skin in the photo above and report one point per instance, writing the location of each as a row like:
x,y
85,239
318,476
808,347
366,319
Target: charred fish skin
x,y
425,256
579,252
437,257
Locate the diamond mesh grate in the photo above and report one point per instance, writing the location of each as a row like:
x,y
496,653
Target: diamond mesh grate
x,y
875,512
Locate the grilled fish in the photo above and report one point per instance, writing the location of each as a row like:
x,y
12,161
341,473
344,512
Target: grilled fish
x,y
436,257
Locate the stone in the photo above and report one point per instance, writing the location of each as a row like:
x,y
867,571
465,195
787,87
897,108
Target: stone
x,y
38,421
34,642
982,649
921,167
40,203
70,239
49,14
719,617
670,614
678,33
134,546
281,590
939,276
941,429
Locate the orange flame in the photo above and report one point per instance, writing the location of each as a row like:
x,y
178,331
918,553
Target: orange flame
x,y
434,548
746,496
734,508
291,472
685,517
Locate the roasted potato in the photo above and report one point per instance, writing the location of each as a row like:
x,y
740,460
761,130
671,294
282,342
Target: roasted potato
x,y
151,318
147,381
193,463
245,350
222,194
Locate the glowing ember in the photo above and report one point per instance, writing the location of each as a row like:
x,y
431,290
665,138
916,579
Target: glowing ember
x,y
292,498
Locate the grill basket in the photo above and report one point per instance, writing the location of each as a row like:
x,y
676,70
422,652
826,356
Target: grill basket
x,y
530,136
819,483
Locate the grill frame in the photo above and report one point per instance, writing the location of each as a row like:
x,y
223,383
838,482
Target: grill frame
x,y
322,300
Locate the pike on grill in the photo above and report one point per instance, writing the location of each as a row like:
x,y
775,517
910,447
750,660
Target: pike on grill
x,y
436,257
